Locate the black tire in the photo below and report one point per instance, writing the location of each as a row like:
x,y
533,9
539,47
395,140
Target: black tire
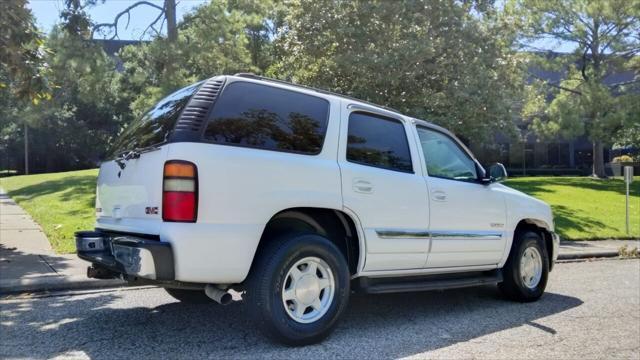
x,y
513,286
268,278
189,296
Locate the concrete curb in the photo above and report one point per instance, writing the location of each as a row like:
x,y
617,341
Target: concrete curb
x,y
13,286
588,255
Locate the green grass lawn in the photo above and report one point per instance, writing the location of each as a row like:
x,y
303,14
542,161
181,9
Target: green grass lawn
x,y
63,203
586,208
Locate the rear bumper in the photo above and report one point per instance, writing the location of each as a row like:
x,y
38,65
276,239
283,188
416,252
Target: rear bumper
x,y
127,254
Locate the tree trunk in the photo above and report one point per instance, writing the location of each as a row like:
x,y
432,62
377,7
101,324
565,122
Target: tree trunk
x,y
170,13
598,160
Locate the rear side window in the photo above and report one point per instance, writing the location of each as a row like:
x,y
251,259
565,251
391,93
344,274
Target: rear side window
x,y
265,117
379,142
154,126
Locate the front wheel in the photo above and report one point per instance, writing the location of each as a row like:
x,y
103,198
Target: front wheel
x,y
527,269
298,289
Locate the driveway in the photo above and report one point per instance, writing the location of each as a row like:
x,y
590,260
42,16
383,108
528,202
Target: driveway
x,y
590,310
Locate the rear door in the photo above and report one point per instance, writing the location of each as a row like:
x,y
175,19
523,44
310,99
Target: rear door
x,y
382,185
129,194
130,199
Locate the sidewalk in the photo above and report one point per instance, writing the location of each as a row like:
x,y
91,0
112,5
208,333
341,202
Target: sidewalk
x,y
595,248
27,261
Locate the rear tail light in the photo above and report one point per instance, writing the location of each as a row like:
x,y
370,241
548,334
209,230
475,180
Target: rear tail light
x,y
180,191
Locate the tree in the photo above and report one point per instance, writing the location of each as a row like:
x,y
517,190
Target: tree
x,y
75,127
167,13
222,37
22,60
586,101
22,52
449,62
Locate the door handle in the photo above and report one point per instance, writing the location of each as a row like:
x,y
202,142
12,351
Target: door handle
x,y
439,195
362,186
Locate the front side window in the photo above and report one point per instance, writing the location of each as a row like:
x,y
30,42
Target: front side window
x,y
378,141
266,117
444,157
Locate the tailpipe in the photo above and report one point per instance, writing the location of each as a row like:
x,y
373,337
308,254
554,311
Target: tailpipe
x,y
220,296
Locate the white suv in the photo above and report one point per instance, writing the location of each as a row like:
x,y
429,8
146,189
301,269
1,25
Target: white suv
x,y
295,197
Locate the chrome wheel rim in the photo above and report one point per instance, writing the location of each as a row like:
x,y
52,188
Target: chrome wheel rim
x,y
531,267
308,290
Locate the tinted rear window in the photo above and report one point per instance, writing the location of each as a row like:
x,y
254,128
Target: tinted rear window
x,y
156,124
265,117
379,142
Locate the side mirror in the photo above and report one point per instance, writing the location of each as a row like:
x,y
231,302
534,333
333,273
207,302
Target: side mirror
x,y
497,172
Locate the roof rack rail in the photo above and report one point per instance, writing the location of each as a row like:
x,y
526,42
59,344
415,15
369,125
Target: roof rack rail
x,y
327,92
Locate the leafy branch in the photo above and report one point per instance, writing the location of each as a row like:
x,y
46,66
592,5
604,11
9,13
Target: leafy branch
x,y
114,25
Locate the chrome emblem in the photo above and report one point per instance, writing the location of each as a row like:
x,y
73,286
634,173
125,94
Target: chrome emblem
x,y
149,210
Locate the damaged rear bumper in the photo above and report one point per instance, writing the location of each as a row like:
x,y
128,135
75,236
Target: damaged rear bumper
x,y
131,255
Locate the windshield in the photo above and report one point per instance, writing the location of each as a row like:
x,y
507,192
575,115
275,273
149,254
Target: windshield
x,y
156,124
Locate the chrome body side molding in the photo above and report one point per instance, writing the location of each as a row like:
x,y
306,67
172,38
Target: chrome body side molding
x,y
437,234
478,235
402,234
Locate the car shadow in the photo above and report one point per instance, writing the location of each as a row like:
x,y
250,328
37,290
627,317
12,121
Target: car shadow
x,y
101,326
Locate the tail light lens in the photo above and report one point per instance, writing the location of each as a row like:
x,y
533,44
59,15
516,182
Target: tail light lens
x,y
180,191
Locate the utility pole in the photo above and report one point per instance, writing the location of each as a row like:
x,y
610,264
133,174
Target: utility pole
x,y
26,149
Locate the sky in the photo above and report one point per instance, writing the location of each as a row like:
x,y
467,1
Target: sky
x,y
47,14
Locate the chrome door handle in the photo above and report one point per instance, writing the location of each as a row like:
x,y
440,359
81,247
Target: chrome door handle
x,y
439,195
362,186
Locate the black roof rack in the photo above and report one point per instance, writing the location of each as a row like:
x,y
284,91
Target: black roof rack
x,y
327,92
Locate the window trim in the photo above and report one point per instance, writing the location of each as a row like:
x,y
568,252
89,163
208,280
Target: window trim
x,y
207,140
383,117
457,143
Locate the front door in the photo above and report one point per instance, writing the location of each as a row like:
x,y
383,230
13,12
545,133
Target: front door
x,y
467,218
382,185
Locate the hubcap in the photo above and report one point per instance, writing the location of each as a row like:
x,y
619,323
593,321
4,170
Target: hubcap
x,y
308,290
531,267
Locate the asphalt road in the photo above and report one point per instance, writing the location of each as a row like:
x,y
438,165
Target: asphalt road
x,y
590,310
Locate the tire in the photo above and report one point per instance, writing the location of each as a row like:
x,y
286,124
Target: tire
x,y
520,282
189,296
281,308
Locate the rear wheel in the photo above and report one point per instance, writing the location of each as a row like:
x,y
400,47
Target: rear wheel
x,y
298,289
527,269
189,296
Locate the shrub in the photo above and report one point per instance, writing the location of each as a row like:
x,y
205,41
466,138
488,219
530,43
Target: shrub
x,y
622,159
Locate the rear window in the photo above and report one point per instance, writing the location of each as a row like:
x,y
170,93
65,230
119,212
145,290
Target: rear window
x,y
156,124
379,142
265,117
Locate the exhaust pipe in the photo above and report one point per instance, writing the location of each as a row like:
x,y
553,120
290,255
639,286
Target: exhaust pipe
x,y
219,296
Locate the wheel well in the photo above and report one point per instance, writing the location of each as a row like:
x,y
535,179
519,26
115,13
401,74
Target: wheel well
x,y
335,225
536,226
